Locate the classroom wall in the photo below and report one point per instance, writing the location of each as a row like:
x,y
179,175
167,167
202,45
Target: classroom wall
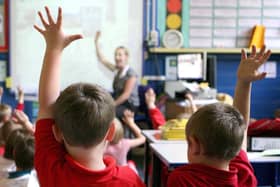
x,y
265,93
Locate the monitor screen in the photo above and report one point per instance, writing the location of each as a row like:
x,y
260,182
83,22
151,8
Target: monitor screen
x,y
190,67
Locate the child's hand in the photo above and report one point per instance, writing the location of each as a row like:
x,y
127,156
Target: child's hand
x,y
20,117
1,91
189,97
128,117
53,33
150,98
97,36
20,92
248,68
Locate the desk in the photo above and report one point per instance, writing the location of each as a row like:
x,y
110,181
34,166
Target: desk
x,y
174,155
153,136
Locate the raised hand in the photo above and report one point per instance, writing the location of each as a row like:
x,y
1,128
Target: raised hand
x,y
150,98
97,36
128,117
53,32
248,67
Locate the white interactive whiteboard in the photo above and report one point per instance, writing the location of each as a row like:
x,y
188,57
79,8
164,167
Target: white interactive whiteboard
x,y
119,20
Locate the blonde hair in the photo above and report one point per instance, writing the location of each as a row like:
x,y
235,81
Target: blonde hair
x,y
4,111
119,132
124,49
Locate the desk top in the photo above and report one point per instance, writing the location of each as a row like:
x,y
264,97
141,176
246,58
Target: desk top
x,y
174,155
153,136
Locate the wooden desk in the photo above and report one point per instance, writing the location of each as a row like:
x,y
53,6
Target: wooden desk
x,y
174,155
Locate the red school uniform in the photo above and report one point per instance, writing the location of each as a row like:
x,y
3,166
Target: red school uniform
x,y
241,174
57,168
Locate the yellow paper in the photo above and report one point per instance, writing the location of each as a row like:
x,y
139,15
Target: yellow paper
x,y
8,82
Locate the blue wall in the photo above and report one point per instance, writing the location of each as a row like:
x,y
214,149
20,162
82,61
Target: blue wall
x,y
265,93
9,97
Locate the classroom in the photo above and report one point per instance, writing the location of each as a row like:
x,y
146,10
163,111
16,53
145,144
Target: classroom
x,y
156,93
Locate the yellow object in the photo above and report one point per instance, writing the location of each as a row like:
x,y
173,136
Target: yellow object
x,y
144,81
8,82
173,21
257,38
225,98
174,129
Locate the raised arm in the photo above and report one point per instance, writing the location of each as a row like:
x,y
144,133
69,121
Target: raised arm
x,y
155,114
129,121
100,56
1,93
56,41
20,105
21,118
247,73
128,88
189,98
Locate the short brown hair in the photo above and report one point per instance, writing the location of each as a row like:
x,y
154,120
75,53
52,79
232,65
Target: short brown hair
x,y
24,153
83,112
119,132
219,128
14,137
7,128
4,111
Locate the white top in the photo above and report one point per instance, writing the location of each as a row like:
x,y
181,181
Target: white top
x,y
27,180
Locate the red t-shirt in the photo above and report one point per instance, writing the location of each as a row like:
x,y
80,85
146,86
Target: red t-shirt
x,y
241,174
156,117
57,168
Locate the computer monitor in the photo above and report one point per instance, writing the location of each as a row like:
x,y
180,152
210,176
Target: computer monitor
x,y
192,67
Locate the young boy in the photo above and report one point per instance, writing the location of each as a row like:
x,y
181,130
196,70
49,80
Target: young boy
x,y
23,155
216,136
73,127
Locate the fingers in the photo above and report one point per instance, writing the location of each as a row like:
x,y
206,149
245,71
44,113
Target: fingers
x,y
59,17
50,19
261,53
38,29
253,52
75,37
261,76
42,19
72,38
243,54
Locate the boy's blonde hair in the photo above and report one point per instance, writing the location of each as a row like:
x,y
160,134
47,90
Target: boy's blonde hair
x,y
4,111
119,132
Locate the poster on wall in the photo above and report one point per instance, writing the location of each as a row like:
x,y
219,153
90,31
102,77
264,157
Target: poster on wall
x,y
3,25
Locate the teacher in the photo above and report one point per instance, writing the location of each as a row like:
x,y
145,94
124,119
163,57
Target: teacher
x,y
125,86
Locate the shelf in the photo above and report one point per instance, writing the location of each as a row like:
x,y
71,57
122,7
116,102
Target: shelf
x,y
207,50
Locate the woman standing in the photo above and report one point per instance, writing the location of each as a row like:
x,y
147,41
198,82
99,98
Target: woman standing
x,y
125,86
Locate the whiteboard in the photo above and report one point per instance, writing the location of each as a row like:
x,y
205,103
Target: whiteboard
x,y
120,22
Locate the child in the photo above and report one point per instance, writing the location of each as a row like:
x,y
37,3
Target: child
x,y
7,163
216,136
6,112
12,134
155,114
120,146
73,126
24,175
